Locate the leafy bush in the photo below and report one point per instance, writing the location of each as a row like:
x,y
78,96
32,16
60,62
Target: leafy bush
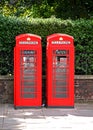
x,y
81,30
46,8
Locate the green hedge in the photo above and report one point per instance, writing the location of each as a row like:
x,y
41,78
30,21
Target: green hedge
x,y
81,30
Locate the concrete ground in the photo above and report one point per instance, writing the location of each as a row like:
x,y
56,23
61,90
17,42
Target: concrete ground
x,y
79,118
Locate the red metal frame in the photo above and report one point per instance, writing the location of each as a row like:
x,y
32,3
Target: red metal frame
x,y
28,71
60,71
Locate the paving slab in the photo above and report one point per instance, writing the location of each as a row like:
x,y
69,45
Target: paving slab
x,y
78,118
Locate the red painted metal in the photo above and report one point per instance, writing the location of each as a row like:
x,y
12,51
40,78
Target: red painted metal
x,y
60,71
28,71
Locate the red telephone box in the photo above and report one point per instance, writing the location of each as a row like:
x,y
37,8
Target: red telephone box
x,y
27,71
60,71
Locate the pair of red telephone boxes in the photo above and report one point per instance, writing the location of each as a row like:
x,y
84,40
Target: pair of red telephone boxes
x,y
59,71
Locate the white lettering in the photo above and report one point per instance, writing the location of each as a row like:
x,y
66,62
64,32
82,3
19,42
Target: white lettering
x,y
28,42
61,42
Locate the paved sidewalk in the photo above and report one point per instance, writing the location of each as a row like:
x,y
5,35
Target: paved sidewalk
x,y
79,118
